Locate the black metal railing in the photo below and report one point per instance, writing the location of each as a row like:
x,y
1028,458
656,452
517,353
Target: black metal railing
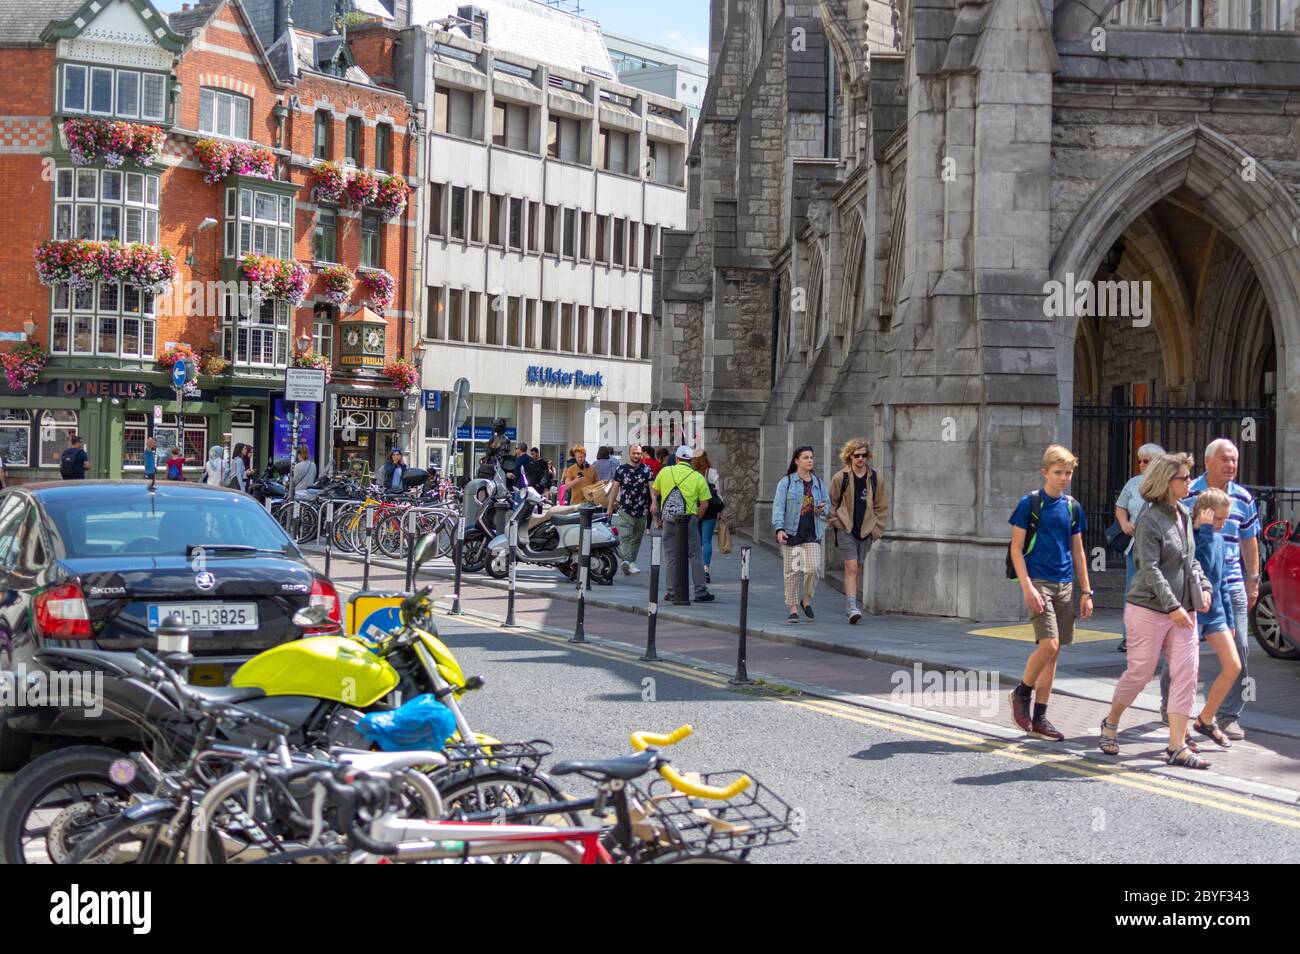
x,y
1106,438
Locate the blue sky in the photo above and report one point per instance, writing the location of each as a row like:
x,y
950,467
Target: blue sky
x,y
678,24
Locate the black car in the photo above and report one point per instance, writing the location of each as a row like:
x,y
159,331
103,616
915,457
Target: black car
x,y
100,564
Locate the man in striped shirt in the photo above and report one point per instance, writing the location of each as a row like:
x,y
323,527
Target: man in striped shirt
x,y
1241,564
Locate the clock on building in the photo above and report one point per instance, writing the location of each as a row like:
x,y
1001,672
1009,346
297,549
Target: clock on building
x,y
363,340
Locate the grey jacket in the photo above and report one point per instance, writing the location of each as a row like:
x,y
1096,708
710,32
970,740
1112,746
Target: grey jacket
x,y
1168,575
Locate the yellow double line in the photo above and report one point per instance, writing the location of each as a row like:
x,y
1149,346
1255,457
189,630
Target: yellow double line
x,y
1068,762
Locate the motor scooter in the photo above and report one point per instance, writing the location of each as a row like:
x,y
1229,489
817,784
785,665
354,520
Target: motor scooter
x,y
554,538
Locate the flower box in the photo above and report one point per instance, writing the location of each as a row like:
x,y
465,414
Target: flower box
x,y
313,359
362,188
23,365
221,159
404,375
392,195
339,282
380,288
82,262
330,182
275,279
114,141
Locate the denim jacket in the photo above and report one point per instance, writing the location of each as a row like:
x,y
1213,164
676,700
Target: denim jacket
x,y
789,498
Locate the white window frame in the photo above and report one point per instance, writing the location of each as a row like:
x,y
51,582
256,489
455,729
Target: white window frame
x,y
146,207
145,313
85,88
243,224
16,419
53,428
90,92
258,335
224,102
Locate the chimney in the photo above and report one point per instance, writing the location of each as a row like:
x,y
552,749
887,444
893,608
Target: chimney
x,y
479,18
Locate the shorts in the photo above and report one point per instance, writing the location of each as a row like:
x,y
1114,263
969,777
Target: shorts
x,y
1056,621
852,548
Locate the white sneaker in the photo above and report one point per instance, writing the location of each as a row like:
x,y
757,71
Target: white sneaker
x,y
854,613
631,569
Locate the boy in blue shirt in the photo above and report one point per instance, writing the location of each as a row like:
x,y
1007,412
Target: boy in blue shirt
x,y
1047,553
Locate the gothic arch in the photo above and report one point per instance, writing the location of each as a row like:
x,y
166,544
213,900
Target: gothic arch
x,y
1258,215
852,301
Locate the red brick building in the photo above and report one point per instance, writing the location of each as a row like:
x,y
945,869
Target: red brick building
x,y
233,174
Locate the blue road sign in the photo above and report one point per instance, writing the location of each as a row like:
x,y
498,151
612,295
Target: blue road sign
x,y
179,374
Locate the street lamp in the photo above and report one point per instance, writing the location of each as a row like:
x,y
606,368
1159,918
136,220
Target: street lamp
x,y
207,223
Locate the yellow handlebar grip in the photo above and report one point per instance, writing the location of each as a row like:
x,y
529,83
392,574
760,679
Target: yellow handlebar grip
x,y
674,779
644,740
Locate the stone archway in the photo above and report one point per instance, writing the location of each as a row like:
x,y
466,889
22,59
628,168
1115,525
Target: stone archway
x,y
1257,213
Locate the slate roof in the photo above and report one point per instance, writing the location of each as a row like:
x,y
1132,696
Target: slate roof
x,y
186,22
22,21
298,51
531,29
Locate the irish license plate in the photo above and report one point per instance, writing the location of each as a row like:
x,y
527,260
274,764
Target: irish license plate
x,y
206,615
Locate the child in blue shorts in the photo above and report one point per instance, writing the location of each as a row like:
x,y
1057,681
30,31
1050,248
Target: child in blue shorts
x,y
1210,511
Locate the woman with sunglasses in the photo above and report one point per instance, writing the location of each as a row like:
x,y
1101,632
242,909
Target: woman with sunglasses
x,y
859,503
1168,590
1128,508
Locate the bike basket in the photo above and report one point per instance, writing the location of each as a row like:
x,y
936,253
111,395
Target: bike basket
x,y
525,755
755,818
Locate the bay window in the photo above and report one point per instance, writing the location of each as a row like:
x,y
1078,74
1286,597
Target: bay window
x,y
258,222
128,94
108,318
255,333
107,205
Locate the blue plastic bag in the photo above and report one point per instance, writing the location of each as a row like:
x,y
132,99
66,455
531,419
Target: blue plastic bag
x,y
422,723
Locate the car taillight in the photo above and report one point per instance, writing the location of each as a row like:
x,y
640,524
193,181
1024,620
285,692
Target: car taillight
x,y
324,594
61,612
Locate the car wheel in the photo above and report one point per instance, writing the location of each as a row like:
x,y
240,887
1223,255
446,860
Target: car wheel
x,y
1266,626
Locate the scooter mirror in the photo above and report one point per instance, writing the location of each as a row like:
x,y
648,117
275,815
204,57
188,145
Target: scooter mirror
x,y
425,548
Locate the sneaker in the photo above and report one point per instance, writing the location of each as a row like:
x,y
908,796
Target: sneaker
x,y
792,618
706,598
1232,729
631,569
855,614
807,611
1045,730
1020,711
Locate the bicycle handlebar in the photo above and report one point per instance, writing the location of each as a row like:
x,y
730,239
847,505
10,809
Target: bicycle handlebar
x,y
642,740
696,790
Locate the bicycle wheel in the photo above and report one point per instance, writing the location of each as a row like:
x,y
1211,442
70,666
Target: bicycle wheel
x,y
446,536
501,790
693,858
308,524
389,537
144,842
344,519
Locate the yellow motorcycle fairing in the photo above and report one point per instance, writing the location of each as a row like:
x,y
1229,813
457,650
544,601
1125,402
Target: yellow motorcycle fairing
x,y
447,665
324,667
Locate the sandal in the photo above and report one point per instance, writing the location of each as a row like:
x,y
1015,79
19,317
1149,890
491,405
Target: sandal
x,y
1109,744
1212,731
1186,758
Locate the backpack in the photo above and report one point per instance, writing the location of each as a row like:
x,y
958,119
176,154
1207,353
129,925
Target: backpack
x,y
674,504
715,505
1031,533
174,470
68,462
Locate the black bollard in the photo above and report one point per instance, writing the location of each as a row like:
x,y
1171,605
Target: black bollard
x,y
742,674
459,552
329,535
652,607
295,519
512,539
410,550
584,570
682,546
370,536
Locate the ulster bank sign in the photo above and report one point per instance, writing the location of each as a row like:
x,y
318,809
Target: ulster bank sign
x,y
564,379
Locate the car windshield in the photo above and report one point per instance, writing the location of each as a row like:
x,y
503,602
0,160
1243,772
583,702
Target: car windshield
x,y
163,527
